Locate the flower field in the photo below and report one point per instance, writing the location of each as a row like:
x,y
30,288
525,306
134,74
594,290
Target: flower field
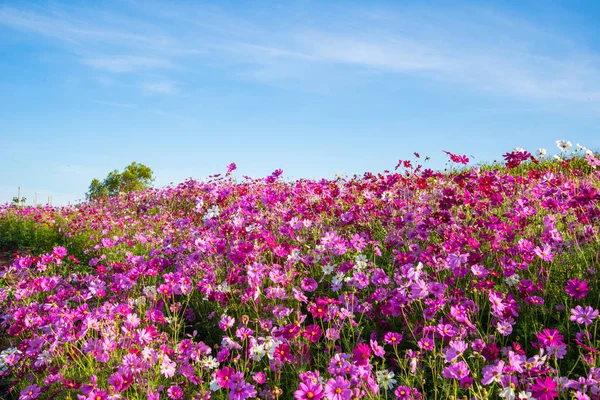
x,y
473,283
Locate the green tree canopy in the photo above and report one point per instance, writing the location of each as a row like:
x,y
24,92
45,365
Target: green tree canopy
x,y
134,178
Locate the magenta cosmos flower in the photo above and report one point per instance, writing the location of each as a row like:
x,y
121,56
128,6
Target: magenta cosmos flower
x,y
361,354
550,337
30,392
577,288
241,391
259,378
338,389
175,392
392,338
223,376
308,285
309,391
544,388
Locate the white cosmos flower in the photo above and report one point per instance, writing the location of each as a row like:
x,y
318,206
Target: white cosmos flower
x,y
541,152
212,212
512,280
361,261
214,386
587,151
210,362
385,379
199,205
257,352
327,269
563,145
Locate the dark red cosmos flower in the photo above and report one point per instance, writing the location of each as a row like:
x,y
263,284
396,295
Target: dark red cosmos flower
x,y
457,158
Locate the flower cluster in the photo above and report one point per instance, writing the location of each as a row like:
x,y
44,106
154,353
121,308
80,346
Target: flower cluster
x,y
474,283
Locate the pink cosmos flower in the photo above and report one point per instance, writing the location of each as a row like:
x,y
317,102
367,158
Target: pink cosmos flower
x,y
492,373
544,388
406,393
308,285
309,391
338,389
313,333
426,344
550,337
241,391
459,370
223,376
583,315
100,395
545,253
30,392
361,354
392,338
175,392
59,251
259,378
378,350
282,352
167,368
226,322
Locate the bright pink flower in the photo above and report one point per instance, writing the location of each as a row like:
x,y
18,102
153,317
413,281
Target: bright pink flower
x,y
392,338
544,388
241,391
361,354
338,389
550,337
282,352
309,391
577,288
459,370
313,333
175,392
259,378
223,376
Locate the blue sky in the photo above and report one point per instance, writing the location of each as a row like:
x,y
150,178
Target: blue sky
x,y
314,88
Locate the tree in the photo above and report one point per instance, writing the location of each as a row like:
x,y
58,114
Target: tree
x,y
18,201
134,178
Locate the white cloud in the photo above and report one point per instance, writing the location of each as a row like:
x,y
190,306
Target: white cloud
x,y
136,107
124,64
163,87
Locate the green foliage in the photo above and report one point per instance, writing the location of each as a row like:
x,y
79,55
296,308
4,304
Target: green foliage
x,y
22,234
134,178
18,201
576,164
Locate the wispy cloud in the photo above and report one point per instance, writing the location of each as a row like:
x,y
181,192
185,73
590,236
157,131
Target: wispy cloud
x,y
116,104
124,63
163,87
137,107
487,53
